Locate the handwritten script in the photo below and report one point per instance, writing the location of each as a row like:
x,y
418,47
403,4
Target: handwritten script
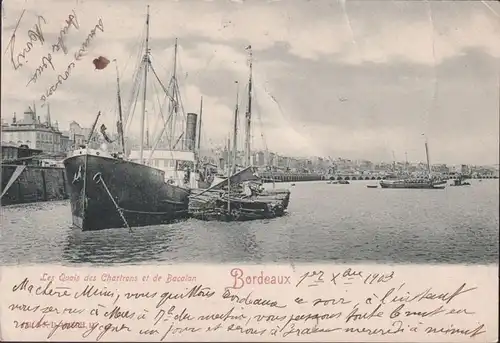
x,y
247,303
22,46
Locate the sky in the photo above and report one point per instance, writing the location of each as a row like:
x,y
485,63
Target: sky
x,y
341,78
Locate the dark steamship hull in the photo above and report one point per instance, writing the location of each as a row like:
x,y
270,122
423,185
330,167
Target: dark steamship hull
x,y
141,196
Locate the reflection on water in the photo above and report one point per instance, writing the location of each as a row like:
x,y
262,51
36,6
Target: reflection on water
x,y
343,223
157,243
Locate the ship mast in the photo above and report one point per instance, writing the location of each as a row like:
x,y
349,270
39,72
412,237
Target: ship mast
x,y
235,130
199,128
197,145
168,128
146,67
174,84
228,159
427,156
120,113
248,115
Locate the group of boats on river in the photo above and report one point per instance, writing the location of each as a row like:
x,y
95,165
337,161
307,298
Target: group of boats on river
x,y
403,180
166,179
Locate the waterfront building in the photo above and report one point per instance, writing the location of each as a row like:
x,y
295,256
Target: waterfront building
x,y
78,135
464,169
9,152
65,143
33,133
440,168
12,154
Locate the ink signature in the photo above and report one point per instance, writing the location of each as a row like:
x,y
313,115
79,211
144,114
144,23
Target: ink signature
x,y
35,35
77,57
46,61
71,21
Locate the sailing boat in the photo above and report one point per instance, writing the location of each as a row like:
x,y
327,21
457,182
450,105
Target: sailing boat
x,y
430,182
108,190
228,200
241,195
281,194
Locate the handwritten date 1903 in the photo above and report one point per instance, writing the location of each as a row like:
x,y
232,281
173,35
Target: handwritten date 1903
x,y
316,276
346,277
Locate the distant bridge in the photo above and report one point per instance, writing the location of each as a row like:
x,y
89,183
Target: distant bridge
x,y
298,177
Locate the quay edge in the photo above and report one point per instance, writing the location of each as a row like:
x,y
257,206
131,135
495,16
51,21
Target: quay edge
x,y
28,184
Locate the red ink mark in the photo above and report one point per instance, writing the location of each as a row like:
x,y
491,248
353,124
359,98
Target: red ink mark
x,y
100,62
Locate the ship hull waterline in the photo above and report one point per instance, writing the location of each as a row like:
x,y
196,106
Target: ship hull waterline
x,y
240,209
108,192
412,185
213,205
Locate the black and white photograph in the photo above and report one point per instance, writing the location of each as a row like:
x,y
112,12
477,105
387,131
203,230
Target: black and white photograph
x,y
250,132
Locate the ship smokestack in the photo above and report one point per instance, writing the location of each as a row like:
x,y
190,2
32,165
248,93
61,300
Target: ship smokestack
x,y
191,123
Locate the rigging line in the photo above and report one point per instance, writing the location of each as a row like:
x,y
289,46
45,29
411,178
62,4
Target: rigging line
x,y
157,141
134,94
181,72
139,51
279,108
343,5
490,8
181,103
137,82
166,71
263,135
137,69
109,103
159,118
173,98
273,98
180,106
127,63
166,95
152,135
160,108
165,90
177,92
131,105
153,104
181,96
242,118
261,124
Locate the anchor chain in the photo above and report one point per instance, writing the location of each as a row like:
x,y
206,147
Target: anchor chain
x,y
98,179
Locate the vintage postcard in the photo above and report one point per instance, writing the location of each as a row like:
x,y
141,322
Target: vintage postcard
x,y
263,170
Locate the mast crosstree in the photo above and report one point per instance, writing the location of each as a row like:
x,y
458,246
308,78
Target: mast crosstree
x,y
167,135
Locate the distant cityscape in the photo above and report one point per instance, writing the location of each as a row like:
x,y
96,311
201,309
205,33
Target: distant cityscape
x,y
45,136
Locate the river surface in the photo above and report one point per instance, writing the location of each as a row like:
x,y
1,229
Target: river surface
x,y
325,223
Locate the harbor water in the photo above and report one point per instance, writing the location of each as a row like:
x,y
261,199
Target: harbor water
x,y
325,223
